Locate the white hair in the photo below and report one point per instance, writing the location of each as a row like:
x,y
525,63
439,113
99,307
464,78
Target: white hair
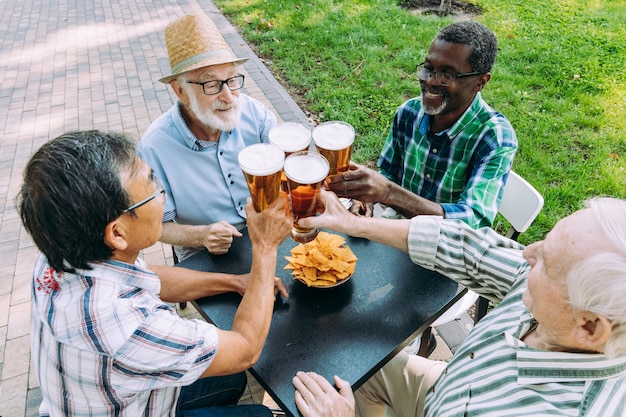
x,y
598,283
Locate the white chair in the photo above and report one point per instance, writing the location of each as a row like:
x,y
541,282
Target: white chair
x,y
520,205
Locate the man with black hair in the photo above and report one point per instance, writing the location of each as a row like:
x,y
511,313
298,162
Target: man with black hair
x,y
103,340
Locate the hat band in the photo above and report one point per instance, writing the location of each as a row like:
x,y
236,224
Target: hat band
x,y
202,57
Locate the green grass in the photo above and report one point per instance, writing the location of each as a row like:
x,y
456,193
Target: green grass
x,y
560,78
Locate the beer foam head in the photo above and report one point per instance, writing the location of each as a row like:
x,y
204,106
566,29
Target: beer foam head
x,y
306,167
290,136
333,135
261,159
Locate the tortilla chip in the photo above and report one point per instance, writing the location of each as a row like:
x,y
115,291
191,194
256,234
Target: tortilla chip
x,y
323,261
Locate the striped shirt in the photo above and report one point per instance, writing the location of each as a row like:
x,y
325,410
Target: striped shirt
x,y
104,344
493,373
463,168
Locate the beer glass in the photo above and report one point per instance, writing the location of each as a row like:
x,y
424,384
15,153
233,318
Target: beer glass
x,y
334,140
290,137
262,165
306,172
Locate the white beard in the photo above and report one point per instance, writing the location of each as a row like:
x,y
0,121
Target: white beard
x,y
210,116
433,111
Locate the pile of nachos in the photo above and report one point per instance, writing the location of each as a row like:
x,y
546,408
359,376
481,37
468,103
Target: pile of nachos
x,y
323,262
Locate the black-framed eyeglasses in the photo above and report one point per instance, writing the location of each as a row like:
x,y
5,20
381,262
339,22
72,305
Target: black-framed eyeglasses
x,y
210,88
160,189
443,78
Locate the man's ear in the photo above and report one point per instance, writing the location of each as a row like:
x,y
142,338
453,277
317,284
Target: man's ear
x,y
593,330
177,88
482,81
115,235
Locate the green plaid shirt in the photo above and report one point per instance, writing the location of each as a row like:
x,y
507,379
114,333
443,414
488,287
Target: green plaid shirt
x,y
463,168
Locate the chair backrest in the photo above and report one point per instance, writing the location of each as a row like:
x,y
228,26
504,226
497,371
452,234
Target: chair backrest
x,y
521,203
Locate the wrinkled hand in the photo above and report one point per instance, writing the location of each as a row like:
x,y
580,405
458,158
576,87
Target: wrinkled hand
x,y
316,397
271,226
360,208
219,237
359,183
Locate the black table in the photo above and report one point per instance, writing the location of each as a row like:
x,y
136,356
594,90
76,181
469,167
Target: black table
x,y
351,330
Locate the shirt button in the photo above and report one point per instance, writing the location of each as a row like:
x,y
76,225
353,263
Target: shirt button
x,y
428,176
471,355
221,153
229,175
445,372
232,182
435,150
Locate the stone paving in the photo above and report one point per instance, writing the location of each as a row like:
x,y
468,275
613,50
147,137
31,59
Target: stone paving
x,y
74,64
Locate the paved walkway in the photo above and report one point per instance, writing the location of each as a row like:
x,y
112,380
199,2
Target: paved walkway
x,y
68,65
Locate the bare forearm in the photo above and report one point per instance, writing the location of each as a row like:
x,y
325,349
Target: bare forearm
x,y
181,284
245,340
183,235
253,317
409,204
390,232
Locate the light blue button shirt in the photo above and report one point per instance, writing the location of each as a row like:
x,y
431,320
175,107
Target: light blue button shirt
x,y
203,181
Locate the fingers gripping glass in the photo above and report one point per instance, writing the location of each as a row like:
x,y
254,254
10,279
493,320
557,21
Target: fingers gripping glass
x,y
443,78
160,189
213,87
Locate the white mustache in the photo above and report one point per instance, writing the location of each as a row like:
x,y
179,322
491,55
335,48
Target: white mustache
x,y
222,105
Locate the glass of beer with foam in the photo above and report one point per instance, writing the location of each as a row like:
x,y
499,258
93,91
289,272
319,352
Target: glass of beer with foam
x,y
306,172
290,137
334,140
262,165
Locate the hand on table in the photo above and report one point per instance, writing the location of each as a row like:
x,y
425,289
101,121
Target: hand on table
x,y
316,397
359,183
219,237
243,279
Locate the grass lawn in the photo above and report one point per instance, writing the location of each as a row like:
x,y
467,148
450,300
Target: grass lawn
x,y
560,78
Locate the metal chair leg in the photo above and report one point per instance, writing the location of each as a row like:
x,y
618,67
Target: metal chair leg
x,y
182,305
427,343
482,305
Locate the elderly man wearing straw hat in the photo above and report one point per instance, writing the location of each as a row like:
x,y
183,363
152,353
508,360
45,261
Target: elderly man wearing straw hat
x,y
193,147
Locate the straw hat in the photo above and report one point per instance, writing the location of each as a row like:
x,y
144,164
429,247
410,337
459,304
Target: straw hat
x,y
193,42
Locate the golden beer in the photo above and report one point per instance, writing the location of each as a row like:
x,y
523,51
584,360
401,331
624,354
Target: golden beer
x,y
262,165
306,172
334,140
290,137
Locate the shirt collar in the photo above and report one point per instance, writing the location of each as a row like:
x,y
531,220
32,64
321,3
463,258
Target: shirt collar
x,y
425,123
192,140
540,366
465,119
136,275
